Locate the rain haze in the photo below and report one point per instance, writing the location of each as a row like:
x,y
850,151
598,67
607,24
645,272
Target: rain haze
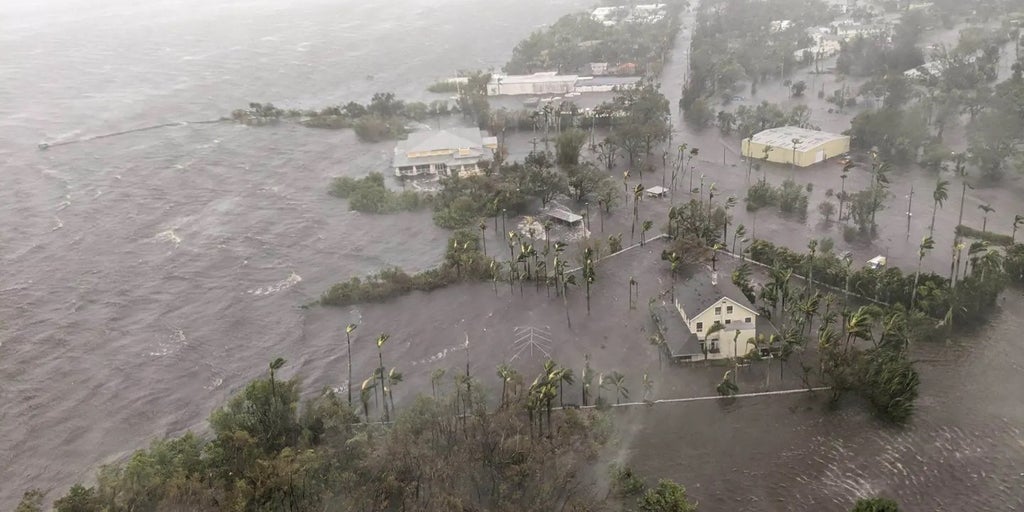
x,y
421,215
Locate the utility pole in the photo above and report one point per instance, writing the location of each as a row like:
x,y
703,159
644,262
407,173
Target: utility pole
x,y
910,201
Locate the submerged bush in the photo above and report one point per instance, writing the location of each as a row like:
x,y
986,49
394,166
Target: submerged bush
x,y
370,195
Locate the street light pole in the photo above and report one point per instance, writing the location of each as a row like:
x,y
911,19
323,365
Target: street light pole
x,y
910,201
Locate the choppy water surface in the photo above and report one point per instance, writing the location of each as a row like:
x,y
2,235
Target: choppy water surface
x,y
144,277
147,276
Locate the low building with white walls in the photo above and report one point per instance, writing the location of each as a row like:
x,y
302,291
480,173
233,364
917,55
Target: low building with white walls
x,y
450,152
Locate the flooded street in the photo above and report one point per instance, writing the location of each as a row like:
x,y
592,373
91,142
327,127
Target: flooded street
x,y
147,277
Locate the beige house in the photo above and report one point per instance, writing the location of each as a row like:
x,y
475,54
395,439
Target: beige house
x,y
794,145
718,320
451,152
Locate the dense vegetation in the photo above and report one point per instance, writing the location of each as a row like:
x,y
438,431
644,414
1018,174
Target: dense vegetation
x,y
575,40
965,298
369,195
384,118
733,41
464,260
269,451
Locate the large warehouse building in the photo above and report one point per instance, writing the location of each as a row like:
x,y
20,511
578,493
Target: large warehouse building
x,y
793,145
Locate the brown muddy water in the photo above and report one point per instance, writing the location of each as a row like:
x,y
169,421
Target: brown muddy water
x,y
147,277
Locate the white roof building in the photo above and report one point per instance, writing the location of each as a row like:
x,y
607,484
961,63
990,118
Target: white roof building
x,y
546,82
442,153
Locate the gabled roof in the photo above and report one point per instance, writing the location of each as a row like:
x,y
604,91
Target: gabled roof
x,y
697,294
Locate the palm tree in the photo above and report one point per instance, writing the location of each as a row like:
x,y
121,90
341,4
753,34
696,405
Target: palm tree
x,y
381,340
1017,221
275,365
483,236
647,225
842,190
648,387
927,244
587,378
563,376
961,170
589,274
638,194
394,378
364,395
973,251
812,248
727,387
348,340
674,261
939,196
566,282
954,264
987,209
618,381
739,233
435,379
505,373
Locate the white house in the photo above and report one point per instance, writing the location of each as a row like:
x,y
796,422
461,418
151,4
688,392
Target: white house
x,y
454,151
547,82
717,318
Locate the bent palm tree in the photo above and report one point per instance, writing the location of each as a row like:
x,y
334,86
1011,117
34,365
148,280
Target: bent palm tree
x,y
618,382
927,244
364,395
275,365
381,340
394,378
987,209
939,196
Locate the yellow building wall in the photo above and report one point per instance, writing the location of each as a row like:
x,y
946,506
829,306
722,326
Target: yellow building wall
x,y
782,155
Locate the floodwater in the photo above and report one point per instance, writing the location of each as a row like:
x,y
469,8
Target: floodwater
x,y
145,277
148,276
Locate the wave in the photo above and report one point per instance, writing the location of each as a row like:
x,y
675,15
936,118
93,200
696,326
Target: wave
x,y
169,236
292,280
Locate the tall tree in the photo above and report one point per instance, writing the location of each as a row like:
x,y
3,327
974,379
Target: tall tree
x,y
348,340
987,209
381,340
618,381
927,244
939,196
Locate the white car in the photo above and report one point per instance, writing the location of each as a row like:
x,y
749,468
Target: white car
x,y
876,263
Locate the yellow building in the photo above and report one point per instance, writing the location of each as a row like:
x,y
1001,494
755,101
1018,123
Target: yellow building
x,y
792,145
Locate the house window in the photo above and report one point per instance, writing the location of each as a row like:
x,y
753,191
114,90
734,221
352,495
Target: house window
x,y
700,326
718,310
728,309
728,321
747,319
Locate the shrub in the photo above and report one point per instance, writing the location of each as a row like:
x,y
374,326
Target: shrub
x,y
373,128
988,236
370,195
625,482
759,195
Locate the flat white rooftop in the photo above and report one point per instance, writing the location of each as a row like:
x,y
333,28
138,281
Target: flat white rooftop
x,y
783,138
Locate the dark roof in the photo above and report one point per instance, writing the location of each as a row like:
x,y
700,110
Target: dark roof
x,y
697,293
